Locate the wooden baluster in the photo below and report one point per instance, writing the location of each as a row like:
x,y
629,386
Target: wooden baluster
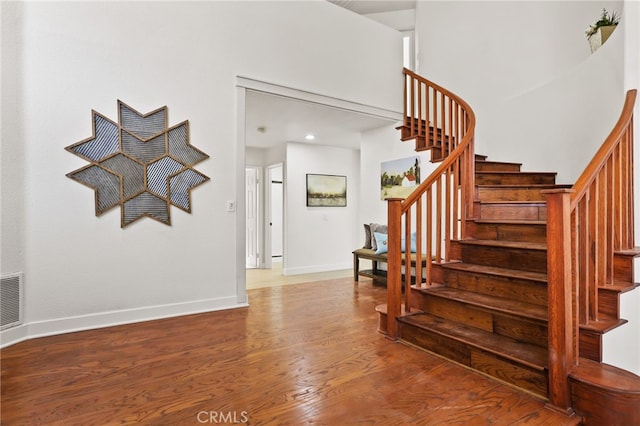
x,y
583,263
630,180
438,219
394,271
405,107
561,333
427,108
443,145
419,122
456,199
435,115
407,258
593,246
601,242
450,127
419,242
429,242
609,189
415,91
447,225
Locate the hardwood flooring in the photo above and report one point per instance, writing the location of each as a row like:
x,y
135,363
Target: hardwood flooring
x,y
259,278
300,354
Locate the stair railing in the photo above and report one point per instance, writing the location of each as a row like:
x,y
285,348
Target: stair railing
x,y
436,210
586,225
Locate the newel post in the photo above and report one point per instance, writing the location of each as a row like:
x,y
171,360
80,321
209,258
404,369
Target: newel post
x,y
559,288
394,265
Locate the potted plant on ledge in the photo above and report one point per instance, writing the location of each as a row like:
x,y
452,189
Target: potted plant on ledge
x,y
600,31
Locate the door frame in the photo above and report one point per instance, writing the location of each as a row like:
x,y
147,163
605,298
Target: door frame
x,y
242,85
259,213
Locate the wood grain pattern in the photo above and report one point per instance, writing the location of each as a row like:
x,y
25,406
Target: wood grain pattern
x,y
300,354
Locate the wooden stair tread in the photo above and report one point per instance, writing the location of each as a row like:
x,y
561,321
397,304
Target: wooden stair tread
x,y
498,162
506,244
540,186
493,270
533,356
629,252
515,202
498,304
606,376
619,286
602,326
510,221
510,172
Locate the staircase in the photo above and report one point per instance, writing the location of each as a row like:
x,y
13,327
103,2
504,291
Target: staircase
x,y
497,296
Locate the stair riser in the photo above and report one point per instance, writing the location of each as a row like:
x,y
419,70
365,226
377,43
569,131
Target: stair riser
x,y
487,178
508,211
509,258
534,233
513,288
590,344
623,268
490,166
608,304
509,194
524,330
487,363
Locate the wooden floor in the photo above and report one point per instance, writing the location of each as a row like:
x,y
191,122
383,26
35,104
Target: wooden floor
x,y
300,354
273,277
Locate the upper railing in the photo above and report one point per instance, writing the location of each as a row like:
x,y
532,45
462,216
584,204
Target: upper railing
x,y
586,225
435,212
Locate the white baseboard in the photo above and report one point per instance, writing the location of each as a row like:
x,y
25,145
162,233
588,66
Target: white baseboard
x,y
315,269
52,327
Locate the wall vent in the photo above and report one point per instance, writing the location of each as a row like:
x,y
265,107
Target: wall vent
x,y
10,300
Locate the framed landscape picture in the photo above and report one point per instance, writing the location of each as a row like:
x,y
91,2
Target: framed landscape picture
x,y
398,178
326,191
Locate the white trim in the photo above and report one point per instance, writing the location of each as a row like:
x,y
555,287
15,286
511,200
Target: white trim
x,y
279,90
316,269
240,212
36,329
242,85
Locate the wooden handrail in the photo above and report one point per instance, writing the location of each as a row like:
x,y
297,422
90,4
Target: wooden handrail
x,y
599,159
586,225
436,210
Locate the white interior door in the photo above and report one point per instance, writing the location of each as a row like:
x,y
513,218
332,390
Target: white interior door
x,y
276,206
251,179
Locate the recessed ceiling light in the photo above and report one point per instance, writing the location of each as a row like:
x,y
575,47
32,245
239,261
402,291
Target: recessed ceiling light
x,y
310,137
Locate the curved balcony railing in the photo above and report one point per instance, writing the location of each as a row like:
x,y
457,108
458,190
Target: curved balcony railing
x,y
435,212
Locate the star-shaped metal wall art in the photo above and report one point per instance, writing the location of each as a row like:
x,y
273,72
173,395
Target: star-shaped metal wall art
x,y
139,164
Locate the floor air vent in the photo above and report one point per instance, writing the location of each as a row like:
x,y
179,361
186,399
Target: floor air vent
x,y
10,300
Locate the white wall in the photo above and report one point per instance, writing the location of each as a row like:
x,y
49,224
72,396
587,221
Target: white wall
x,y
378,146
11,160
68,58
318,239
529,76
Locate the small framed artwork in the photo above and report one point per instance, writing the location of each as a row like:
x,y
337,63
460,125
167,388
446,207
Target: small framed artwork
x,y
326,191
398,178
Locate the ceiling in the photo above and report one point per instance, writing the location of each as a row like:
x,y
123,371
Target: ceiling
x,y
272,120
364,7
